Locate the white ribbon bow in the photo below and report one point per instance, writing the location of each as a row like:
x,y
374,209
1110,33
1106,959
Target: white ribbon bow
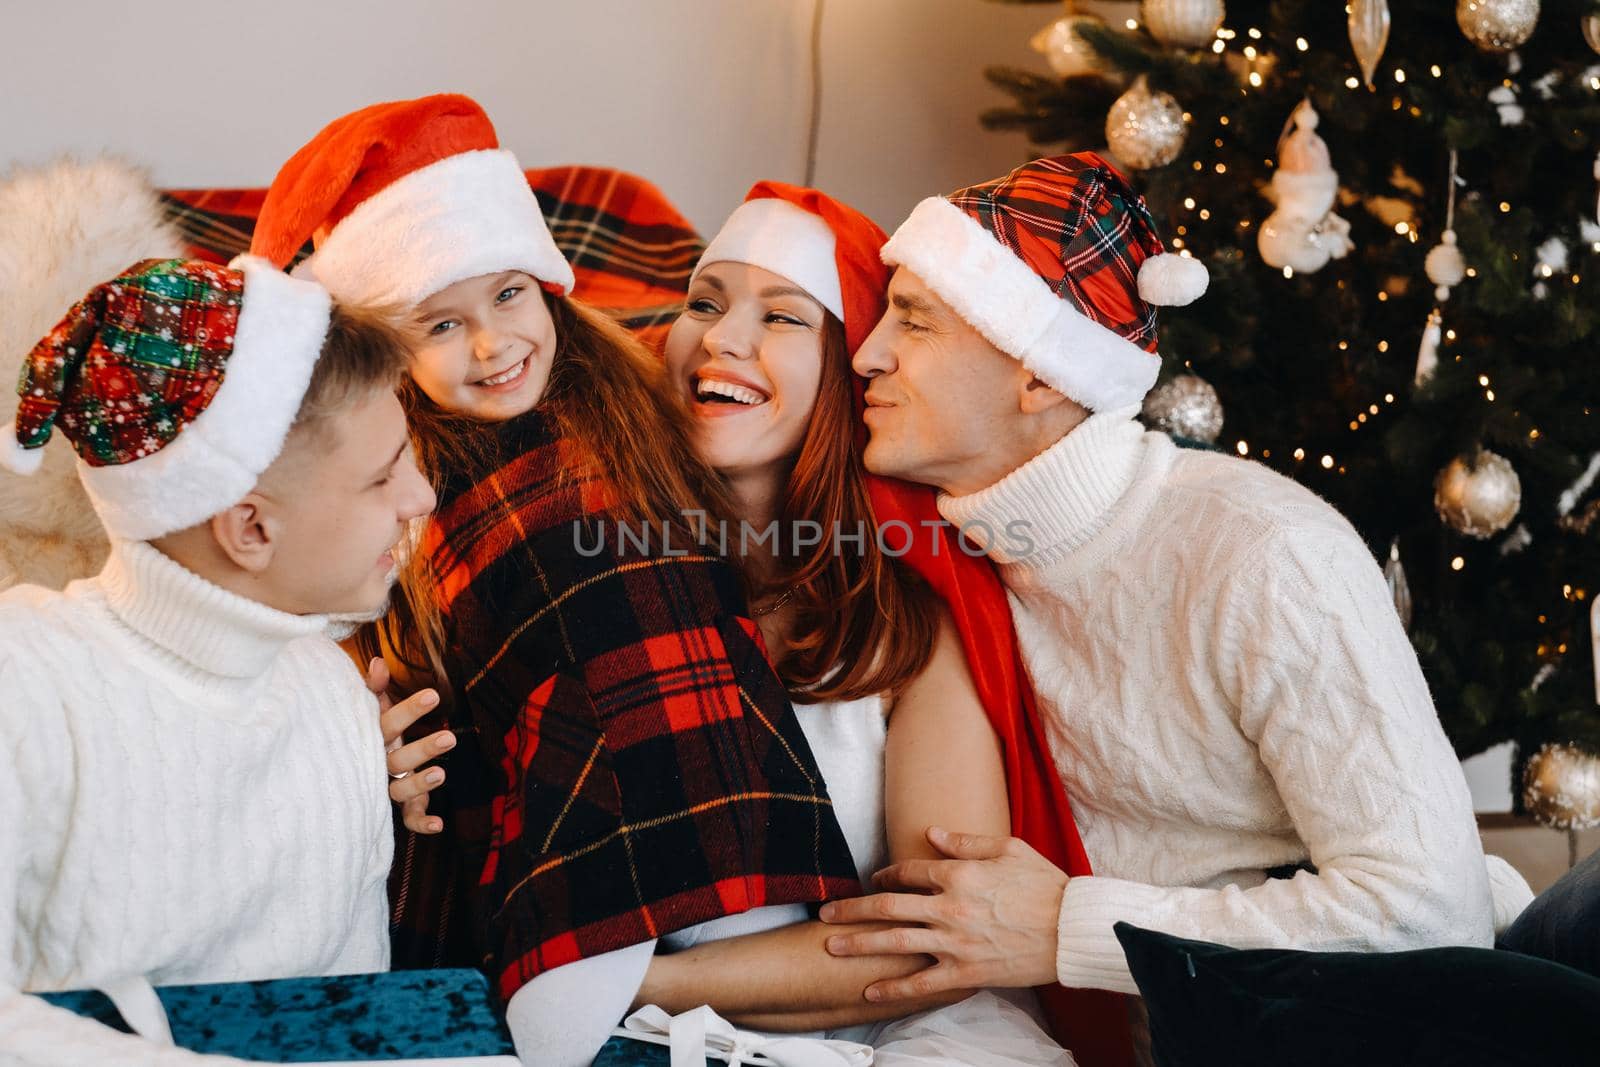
x,y
692,1034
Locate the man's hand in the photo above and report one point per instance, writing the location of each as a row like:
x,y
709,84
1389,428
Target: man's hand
x,y
987,915
409,790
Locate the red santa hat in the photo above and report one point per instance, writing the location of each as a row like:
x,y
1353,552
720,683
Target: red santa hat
x,y
404,199
177,382
1057,264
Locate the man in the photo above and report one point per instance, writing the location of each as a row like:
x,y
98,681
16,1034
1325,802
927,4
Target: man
x,y
194,772
1249,746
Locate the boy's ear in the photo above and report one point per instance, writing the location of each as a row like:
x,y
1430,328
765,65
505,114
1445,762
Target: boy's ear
x,y
246,533
1035,397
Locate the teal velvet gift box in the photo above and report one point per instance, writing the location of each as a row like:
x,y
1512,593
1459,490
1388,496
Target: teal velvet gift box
x,y
394,1017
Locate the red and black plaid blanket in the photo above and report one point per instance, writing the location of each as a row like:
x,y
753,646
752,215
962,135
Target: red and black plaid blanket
x,y
649,772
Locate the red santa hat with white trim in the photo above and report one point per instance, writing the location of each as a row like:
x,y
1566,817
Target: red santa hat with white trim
x,y
403,199
1057,264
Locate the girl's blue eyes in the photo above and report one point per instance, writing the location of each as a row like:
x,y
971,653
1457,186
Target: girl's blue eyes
x,y
504,295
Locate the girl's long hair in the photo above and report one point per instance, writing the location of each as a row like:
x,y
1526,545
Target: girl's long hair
x,y
864,621
607,394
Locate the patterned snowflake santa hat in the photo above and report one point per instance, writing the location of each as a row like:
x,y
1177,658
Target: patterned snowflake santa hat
x,y
176,382
403,199
1057,264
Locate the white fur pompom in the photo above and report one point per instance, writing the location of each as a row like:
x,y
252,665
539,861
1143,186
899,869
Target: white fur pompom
x,y
15,458
1171,280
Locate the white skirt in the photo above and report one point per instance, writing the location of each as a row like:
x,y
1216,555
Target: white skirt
x,y
985,1030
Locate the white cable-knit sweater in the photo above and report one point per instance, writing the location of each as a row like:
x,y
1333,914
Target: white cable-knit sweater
x,y
1227,689
193,790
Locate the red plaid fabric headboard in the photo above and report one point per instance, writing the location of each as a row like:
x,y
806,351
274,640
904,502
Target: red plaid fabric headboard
x,y
631,250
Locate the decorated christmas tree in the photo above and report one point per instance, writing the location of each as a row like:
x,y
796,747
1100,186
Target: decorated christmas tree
x,y
1398,206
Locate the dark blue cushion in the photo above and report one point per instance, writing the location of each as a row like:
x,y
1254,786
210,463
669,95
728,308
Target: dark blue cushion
x,y
1449,1006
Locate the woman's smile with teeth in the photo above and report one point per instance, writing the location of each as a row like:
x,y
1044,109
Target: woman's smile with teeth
x,y
724,392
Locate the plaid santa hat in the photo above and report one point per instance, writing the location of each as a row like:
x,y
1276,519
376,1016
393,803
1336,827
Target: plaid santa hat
x,y
404,199
1057,264
176,382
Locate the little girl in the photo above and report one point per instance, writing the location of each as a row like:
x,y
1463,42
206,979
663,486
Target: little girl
x,y
611,705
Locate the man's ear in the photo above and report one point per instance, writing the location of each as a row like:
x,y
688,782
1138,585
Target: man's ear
x,y
247,533
1035,397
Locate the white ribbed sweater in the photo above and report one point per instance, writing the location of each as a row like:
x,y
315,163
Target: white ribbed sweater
x,y
1226,688
193,790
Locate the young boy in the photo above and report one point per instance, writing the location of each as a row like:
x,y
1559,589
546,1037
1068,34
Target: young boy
x,y
192,780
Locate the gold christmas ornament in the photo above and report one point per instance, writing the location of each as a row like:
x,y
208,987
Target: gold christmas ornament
x,y
1369,34
1591,30
1497,25
1145,129
1182,23
1478,497
1561,787
1068,54
1187,406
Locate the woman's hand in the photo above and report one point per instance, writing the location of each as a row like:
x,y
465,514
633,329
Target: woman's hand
x,y
408,789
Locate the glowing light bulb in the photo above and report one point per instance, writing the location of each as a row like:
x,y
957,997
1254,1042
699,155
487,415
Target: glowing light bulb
x,y
1327,463
1302,44
1457,563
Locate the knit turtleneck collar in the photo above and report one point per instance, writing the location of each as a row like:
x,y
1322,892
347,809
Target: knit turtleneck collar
x,y
208,630
1059,499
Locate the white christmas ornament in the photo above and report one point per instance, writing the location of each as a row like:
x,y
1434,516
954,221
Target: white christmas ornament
x,y
1067,53
1145,129
1550,258
1303,233
1497,25
1369,34
1182,23
1504,99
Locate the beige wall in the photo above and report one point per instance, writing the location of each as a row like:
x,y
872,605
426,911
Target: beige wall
x,y
701,96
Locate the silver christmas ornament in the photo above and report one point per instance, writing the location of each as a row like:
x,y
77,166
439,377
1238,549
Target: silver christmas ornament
x,y
1068,54
1591,30
1561,787
1145,129
1369,34
1478,497
1497,25
1186,406
1394,573
1182,23
1428,350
